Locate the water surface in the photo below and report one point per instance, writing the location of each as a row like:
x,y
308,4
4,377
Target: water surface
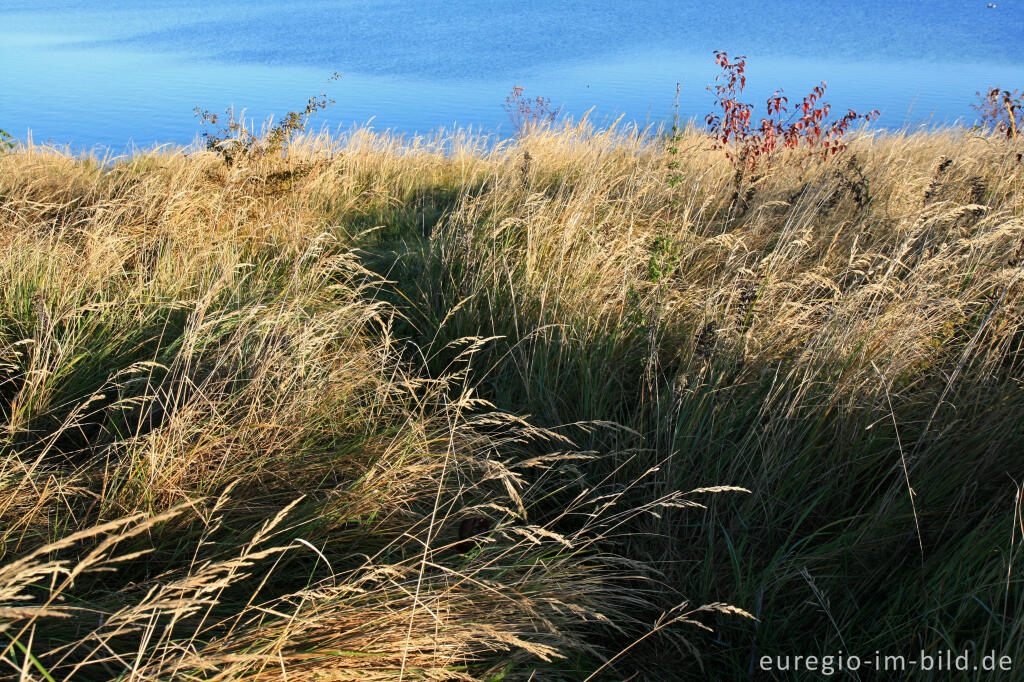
x,y
90,73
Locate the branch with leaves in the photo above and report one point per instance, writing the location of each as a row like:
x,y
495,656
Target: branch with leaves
x,y
746,143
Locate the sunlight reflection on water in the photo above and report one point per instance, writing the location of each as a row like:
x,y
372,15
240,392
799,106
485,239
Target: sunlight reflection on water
x,y
89,74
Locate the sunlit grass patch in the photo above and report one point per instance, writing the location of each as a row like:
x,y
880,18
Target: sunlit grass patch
x,y
453,408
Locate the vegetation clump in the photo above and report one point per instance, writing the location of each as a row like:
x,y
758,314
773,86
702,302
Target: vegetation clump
x,y
1001,111
454,408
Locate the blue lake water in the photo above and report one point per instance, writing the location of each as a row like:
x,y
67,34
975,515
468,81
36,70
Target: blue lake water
x,y
92,73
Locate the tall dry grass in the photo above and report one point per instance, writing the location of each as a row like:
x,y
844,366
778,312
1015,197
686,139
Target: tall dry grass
x,y
247,408
219,462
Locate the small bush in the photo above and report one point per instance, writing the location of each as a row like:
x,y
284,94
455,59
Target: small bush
x,y
235,141
735,125
1001,110
526,113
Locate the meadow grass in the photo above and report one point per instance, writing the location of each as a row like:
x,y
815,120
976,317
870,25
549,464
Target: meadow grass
x,y
562,407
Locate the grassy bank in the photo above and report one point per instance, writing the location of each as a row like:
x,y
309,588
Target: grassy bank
x,y
433,409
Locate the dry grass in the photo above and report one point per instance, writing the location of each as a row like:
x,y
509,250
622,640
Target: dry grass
x,y
246,409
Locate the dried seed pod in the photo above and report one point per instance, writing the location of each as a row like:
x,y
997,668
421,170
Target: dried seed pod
x,y
937,180
704,345
978,189
524,169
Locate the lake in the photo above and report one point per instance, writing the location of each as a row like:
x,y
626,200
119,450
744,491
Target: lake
x,y
94,74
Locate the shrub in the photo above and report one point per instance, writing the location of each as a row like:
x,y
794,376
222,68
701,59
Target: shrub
x,y
5,140
1001,110
526,112
234,140
735,123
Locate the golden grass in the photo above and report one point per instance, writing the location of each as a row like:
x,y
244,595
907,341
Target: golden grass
x,y
246,407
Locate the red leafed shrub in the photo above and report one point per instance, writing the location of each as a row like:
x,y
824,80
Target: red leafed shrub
x,y
747,143
526,112
1001,110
